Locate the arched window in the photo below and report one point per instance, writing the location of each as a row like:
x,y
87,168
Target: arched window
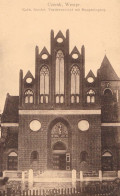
x,y
107,161
59,146
91,96
59,85
75,84
44,84
83,156
34,156
29,96
108,96
12,161
108,92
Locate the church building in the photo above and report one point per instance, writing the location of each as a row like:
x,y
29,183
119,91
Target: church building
x,y
62,119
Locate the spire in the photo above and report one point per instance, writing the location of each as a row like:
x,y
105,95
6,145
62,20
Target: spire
x,y
105,61
37,50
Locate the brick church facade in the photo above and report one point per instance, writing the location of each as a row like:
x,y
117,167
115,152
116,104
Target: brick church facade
x,y
61,119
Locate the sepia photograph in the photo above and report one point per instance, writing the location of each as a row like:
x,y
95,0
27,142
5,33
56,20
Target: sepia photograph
x,y
60,98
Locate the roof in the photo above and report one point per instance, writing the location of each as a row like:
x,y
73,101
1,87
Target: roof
x,y
10,113
90,74
106,71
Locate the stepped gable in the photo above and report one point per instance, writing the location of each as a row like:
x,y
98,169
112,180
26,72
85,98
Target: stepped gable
x,y
10,113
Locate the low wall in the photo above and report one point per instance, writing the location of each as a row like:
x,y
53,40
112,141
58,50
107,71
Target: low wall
x,y
60,176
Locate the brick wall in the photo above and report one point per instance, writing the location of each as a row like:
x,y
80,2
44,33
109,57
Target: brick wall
x,y
78,141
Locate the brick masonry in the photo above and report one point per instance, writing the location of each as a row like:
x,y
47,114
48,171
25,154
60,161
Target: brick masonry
x,y
89,141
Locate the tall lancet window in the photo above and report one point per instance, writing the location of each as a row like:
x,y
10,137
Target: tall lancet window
x,y
59,86
44,84
75,84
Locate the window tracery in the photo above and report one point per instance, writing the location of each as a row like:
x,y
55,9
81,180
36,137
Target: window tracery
x,y
59,85
29,96
59,130
91,96
75,84
44,85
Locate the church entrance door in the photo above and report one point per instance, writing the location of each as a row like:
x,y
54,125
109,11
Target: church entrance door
x,y
59,145
59,161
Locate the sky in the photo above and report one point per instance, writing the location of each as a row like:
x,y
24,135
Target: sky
x,y
28,23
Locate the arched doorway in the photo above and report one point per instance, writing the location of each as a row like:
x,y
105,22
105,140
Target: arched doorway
x,y
107,161
59,145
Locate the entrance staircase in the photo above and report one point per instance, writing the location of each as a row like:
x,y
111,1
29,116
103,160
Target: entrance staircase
x,y
54,174
51,179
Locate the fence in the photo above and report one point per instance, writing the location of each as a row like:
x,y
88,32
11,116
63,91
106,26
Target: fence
x,y
81,176
85,191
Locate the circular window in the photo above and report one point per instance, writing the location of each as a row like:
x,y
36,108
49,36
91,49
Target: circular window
x,y
59,40
75,56
90,80
29,80
83,125
44,56
35,125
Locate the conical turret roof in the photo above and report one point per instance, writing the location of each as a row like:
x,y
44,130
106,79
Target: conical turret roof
x,y
106,70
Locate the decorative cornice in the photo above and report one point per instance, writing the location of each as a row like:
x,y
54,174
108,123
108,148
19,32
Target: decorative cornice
x,y
59,112
110,124
9,124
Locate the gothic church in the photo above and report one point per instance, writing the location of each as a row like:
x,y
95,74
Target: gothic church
x,y
62,119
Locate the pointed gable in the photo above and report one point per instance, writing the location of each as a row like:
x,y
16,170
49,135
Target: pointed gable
x,y
59,35
90,74
75,50
106,71
44,51
28,75
75,55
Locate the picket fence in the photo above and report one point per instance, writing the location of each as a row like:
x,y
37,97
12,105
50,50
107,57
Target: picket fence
x,y
85,191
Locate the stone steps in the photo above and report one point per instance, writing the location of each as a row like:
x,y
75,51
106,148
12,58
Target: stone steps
x,y
55,174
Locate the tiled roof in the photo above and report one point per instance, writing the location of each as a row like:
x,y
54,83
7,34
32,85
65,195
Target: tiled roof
x,y
10,113
106,71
